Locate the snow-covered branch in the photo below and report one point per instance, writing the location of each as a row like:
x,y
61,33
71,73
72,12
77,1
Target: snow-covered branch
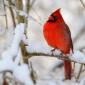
x,y
77,56
10,59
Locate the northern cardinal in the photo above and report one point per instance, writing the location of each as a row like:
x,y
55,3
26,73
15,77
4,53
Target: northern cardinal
x,y
58,36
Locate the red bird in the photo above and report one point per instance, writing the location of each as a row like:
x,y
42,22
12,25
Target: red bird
x,y
58,36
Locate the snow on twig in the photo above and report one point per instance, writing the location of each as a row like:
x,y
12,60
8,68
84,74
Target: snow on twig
x,y
23,13
11,58
29,17
77,56
25,40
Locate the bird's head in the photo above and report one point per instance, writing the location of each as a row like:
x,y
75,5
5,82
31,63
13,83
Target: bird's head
x,y
55,16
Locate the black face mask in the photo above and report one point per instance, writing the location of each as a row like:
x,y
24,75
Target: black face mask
x,y
55,18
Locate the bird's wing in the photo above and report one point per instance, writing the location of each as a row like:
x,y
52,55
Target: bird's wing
x,y
67,28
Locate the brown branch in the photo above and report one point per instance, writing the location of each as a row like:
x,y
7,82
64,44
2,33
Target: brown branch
x,y
82,3
21,19
5,14
61,57
12,13
79,73
26,20
11,2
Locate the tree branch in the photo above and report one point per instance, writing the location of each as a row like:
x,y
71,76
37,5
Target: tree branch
x,y
70,58
82,3
12,13
5,14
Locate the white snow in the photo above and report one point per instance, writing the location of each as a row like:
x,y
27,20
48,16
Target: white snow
x,y
11,62
25,40
78,56
43,66
22,13
6,65
82,82
22,74
10,59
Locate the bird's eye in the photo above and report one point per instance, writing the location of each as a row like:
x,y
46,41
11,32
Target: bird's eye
x,y
55,17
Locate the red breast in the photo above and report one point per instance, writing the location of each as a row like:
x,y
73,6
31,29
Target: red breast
x,y
56,32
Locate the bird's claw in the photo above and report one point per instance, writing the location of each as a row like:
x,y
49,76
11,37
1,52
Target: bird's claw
x,y
52,51
60,55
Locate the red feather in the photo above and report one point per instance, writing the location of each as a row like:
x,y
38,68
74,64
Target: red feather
x,y
58,36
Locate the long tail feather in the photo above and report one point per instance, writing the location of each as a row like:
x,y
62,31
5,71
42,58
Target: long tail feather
x,y
67,69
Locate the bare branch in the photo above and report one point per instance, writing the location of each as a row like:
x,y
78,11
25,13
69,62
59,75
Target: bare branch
x,y
5,14
11,3
12,13
61,57
79,73
82,3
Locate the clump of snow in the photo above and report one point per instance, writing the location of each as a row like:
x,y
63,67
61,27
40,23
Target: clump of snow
x,y
22,13
22,74
11,59
6,39
25,40
18,57
12,51
6,65
78,56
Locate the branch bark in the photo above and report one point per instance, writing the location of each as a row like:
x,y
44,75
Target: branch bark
x,y
21,19
12,13
61,57
5,14
82,3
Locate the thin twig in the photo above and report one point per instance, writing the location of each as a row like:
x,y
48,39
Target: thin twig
x,y
82,3
79,73
5,14
11,3
12,13
27,4
32,73
63,57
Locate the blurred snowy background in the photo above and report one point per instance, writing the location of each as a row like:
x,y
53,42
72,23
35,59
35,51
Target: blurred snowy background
x,y
73,14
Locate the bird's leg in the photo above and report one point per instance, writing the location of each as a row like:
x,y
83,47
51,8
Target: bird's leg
x,y
53,51
60,55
